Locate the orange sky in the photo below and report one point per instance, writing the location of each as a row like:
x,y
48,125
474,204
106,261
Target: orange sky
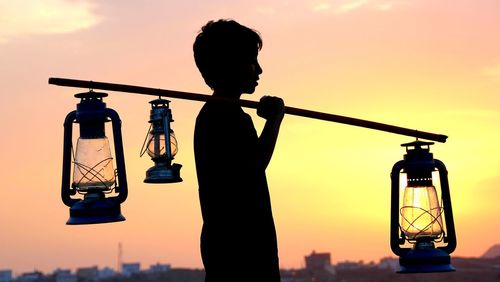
x,y
428,65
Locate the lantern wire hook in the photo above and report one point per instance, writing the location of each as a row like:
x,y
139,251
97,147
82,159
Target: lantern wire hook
x,y
144,147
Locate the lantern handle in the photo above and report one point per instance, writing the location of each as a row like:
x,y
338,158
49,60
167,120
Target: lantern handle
x,y
122,187
144,148
66,190
450,238
396,239
247,104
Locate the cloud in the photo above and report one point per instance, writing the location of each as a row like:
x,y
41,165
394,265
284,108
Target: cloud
x,y
322,7
384,6
351,5
347,6
265,10
31,17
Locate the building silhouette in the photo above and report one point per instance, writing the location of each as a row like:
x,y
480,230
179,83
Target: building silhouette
x,y
317,261
5,275
129,269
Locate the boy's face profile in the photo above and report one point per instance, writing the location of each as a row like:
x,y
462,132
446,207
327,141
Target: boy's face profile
x,y
241,76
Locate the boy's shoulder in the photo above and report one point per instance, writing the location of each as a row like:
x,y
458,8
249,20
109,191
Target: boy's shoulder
x,y
217,113
220,110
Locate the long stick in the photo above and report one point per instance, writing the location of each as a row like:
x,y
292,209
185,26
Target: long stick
x,y
247,104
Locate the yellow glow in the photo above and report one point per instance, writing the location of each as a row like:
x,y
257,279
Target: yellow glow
x,y
421,213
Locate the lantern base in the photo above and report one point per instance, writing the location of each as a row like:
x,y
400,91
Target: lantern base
x,y
424,257
93,210
163,173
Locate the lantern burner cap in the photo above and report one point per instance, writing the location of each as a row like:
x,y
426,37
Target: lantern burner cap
x,y
91,94
159,102
417,145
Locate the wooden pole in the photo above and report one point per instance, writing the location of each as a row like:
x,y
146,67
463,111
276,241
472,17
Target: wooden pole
x,y
245,103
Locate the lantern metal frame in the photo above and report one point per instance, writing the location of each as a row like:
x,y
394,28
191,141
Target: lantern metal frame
x,y
424,256
95,207
163,170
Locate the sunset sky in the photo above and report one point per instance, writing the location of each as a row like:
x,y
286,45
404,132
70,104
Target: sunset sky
x,y
427,65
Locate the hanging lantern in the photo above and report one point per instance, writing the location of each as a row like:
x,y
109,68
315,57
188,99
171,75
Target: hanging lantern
x,y
422,218
161,145
94,175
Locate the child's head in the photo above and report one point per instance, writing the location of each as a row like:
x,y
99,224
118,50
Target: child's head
x,y
225,52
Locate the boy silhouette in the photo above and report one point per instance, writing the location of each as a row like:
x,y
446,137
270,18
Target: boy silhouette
x,y
238,238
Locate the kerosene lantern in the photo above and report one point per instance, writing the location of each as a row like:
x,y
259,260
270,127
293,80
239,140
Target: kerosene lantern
x,y
161,145
422,217
94,177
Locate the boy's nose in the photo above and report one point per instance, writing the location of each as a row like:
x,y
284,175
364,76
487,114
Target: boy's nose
x,y
258,69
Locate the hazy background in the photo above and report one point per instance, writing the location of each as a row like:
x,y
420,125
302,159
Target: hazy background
x,y
428,65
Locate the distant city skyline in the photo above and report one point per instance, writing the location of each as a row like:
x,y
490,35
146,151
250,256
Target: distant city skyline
x,y
136,266
318,267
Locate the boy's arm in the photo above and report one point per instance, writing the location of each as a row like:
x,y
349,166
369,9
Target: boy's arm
x,y
273,110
